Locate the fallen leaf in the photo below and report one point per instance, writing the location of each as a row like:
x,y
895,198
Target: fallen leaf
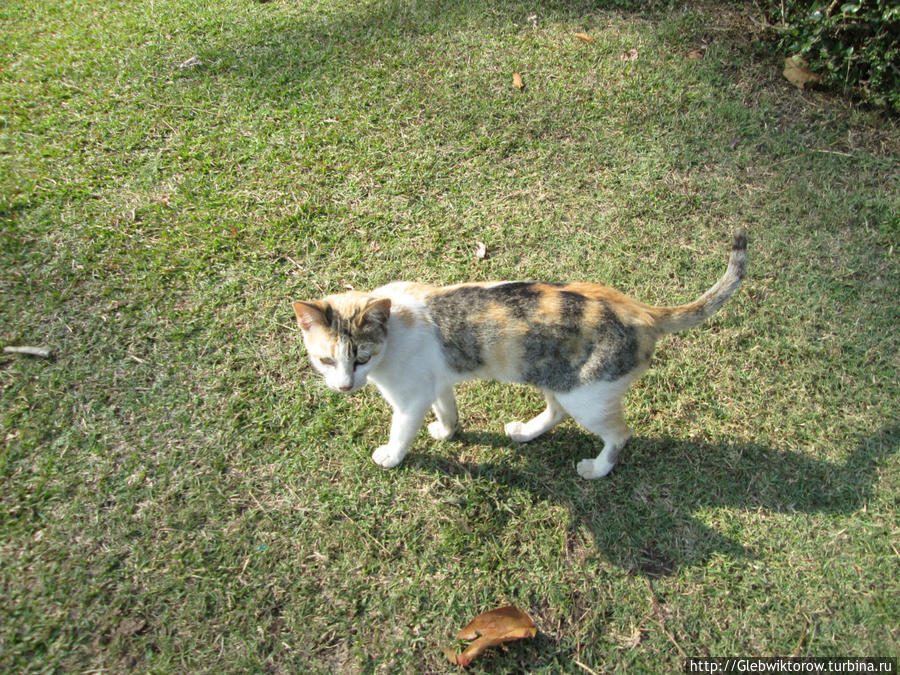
x,y
585,37
630,641
480,250
494,628
630,55
695,55
517,81
796,72
128,627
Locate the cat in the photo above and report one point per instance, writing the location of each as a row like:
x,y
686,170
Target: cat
x,y
581,344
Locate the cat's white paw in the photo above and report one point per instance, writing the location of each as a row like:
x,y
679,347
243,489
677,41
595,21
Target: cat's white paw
x,y
439,432
594,468
387,457
514,431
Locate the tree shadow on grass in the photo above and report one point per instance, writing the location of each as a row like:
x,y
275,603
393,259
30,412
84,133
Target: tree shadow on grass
x,y
644,517
321,45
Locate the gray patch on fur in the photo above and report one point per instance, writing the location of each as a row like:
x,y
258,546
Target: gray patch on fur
x,y
356,329
462,340
557,356
555,353
561,359
615,351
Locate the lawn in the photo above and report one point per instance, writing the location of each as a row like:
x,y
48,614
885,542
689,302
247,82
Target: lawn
x,y
178,491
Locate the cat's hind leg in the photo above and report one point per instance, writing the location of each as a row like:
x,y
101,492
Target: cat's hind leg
x,y
522,432
445,410
598,408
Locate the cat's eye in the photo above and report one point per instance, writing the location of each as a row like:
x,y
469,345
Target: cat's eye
x,y
362,359
327,362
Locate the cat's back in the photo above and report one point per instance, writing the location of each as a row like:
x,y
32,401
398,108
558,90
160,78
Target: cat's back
x,y
548,334
504,301
534,302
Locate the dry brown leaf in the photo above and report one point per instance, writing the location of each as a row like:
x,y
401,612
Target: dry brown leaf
x,y
480,250
128,627
796,72
630,641
494,628
585,37
517,81
695,55
630,55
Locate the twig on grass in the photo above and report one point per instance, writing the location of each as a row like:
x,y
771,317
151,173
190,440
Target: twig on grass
x,y
662,620
835,152
29,351
356,525
299,266
586,668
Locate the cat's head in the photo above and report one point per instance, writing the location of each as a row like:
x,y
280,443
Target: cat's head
x,y
344,336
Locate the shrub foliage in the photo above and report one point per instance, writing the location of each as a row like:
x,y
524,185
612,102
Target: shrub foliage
x,y
852,45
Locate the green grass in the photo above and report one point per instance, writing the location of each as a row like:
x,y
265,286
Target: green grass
x,y
179,493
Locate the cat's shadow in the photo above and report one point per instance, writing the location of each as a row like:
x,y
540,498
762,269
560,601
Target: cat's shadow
x,y
671,503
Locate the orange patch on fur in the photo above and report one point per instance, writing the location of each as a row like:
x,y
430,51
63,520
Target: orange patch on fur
x,y
320,343
503,355
597,292
549,305
406,317
629,311
347,303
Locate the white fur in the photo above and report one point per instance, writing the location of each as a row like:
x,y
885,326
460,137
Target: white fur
x,y
598,408
343,376
412,375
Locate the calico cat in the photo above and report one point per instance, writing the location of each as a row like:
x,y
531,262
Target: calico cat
x,y
582,344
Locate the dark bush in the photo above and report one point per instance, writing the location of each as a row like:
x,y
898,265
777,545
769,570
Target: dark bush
x,y
853,45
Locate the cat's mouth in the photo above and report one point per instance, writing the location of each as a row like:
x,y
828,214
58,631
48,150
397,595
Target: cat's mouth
x,y
349,389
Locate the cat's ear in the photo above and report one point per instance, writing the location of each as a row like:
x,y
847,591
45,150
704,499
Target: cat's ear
x,y
310,314
378,311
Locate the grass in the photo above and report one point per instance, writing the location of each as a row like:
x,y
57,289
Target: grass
x,y
181,495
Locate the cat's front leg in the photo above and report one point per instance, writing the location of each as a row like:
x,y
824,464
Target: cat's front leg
x,y
404,426
447,422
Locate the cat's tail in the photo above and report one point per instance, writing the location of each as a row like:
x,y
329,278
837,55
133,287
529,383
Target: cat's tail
x,y
672,319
